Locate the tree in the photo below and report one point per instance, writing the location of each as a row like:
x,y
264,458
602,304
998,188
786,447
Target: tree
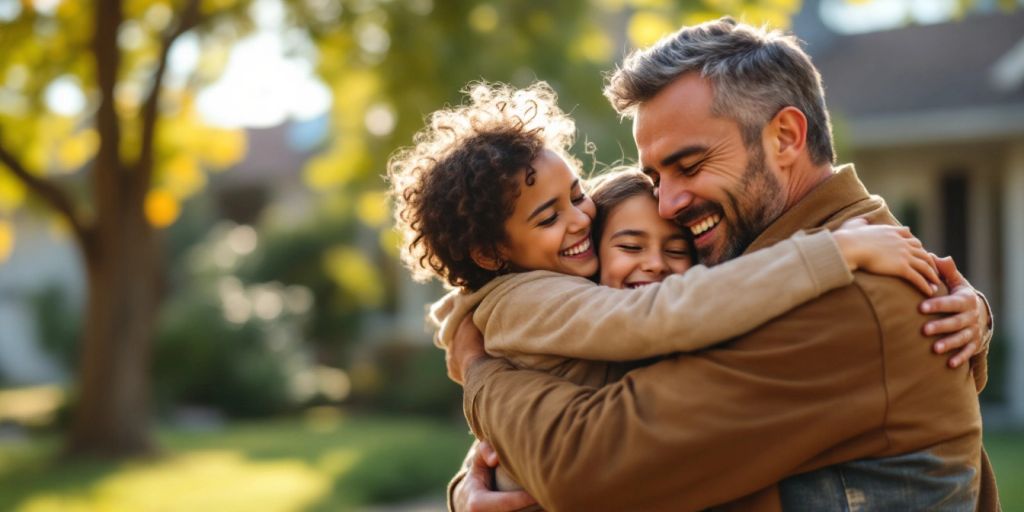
x,y
115,171
113,209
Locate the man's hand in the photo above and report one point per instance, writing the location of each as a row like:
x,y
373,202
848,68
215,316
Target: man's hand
x,y
473,493
465,349
968,319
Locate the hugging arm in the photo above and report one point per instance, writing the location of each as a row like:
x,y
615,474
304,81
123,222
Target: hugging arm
x,y
553,315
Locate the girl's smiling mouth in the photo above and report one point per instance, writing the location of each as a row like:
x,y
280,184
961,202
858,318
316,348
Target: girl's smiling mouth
x,y
580,249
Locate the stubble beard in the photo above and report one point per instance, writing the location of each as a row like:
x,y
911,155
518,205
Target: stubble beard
x,y
757,201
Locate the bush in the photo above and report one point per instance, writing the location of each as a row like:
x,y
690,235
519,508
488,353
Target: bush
x,y
405,378
201,358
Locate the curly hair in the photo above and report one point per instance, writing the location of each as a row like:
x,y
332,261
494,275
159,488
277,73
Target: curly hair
x,y
455,187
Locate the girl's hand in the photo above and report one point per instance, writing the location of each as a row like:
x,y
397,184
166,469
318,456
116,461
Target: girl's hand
x,y
889,251
967,318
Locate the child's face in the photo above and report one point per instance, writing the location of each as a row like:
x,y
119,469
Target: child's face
x,y
550,226
638,247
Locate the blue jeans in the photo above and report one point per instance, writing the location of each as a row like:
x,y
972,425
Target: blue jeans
x,y
911,482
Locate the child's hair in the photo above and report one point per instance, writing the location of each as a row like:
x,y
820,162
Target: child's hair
x,y
456,186
611,189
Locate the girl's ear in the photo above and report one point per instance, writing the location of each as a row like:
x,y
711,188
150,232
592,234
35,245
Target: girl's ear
x,y
486,261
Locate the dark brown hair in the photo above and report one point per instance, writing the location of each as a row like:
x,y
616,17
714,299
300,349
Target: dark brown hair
x,y
456,186
614,187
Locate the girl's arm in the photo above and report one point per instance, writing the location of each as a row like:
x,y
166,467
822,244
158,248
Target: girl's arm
x,y
544,314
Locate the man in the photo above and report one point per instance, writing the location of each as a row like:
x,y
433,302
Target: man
x,y
837,401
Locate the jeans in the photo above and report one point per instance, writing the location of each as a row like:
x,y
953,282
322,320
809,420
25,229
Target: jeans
x,y
911,482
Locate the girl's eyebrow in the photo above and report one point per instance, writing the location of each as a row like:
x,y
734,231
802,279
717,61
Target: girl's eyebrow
x,y
547,204
628,232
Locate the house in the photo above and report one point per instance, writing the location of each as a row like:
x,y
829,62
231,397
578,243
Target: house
x,y
933,117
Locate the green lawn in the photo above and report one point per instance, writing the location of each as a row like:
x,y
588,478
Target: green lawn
x,y
1007,453
327,463
323,463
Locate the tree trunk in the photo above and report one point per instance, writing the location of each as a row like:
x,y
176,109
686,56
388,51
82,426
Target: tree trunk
x,y
111,416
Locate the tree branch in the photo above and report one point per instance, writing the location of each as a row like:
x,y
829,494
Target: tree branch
x,y
49,192
190,17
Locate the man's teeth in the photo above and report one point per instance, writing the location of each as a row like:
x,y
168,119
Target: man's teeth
x,y
579,248
709,222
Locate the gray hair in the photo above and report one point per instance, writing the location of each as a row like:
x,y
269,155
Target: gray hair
x,y
753,72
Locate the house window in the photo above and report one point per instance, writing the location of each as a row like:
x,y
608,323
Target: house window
x,y
953,193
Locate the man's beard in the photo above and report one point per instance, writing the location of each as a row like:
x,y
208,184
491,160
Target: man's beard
x,y
756,203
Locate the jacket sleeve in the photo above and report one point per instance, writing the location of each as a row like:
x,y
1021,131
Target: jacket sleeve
x,y
693,430
568,317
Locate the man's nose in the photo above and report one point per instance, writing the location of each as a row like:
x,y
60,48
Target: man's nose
x,y
672,199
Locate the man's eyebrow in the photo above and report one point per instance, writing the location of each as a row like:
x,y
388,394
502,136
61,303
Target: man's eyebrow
x,y
681,153
547,204
628,232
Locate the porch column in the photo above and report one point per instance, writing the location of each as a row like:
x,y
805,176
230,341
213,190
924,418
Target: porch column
x,y
1012,321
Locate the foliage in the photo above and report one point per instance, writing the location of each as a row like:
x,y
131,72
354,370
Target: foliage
x,y
326,462
403,377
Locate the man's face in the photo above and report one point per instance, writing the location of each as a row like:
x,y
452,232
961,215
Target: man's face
x,y
707,180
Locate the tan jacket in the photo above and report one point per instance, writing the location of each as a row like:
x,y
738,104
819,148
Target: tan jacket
x,y
539,319
843,377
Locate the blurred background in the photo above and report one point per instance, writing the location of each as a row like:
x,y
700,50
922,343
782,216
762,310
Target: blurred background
x,y
201,306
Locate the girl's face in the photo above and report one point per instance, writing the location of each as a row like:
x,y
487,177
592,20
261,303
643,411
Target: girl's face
x,y
638,247
550,226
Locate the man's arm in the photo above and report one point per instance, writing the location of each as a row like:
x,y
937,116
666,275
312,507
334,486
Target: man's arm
x,y
695,430
470,490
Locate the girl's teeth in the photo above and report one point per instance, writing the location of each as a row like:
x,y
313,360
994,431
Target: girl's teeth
x,y
579,249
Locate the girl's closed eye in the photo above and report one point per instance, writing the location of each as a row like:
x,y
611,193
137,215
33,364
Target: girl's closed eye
x,y
549,220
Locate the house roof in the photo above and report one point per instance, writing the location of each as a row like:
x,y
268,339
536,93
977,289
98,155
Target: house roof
x,y
922,67
950,80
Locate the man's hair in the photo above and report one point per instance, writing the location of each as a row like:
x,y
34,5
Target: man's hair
x,y
754,73
457,185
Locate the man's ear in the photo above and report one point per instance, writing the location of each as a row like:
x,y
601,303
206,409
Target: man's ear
x,y
486,260
788,132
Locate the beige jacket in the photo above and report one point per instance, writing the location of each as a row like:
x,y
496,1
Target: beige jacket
x,y
540,319
843,377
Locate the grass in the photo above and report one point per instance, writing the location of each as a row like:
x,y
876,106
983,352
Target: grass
x,y
323,463
326,462
1006,450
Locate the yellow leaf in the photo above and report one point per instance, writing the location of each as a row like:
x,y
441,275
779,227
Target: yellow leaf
x,y
645,28
337,166
391,241
354,273
649,4
593,45
698,17
6,240
223,148
373,208
162,209
77,149
182,176
483,18
773,18
12,192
